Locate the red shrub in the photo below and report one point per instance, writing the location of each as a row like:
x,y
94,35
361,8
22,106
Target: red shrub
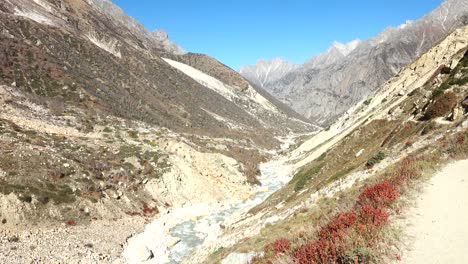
x,y
149,210
383,193
409,144
71,222
337,226
279,246
405,172
317,251
373,217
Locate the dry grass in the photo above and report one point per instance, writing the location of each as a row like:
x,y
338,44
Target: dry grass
x,y
360,234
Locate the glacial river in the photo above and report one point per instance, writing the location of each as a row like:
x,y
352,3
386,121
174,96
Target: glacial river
x,y
193,233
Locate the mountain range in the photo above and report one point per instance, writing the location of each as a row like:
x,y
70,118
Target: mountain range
x,y
326,85
118,146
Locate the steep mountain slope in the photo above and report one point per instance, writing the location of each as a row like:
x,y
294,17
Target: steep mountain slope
x,y
104,120
92,56
358,169
323,92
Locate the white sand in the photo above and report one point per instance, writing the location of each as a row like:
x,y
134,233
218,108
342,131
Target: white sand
x,y
439,224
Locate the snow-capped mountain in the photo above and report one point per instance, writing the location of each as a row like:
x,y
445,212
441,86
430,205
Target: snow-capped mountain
x,y
336,52
267,71
329,83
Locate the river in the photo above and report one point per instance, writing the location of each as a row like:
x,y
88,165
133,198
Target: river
x,y
193,233
186,235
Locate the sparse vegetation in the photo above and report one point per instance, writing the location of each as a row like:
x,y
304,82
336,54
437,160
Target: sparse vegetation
x,y
361,233
303,177
375,159
442,106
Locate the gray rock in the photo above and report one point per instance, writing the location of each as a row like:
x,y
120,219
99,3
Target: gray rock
x,y
156,39
322,90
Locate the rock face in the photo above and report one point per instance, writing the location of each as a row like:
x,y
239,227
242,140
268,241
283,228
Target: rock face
x,y
329,83
108,59
158,38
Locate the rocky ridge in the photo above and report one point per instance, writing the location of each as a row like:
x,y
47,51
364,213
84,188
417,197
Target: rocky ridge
x,y
328,84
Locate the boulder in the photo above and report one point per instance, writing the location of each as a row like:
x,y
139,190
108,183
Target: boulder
x,y
464,103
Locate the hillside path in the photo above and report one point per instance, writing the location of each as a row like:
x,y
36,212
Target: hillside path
x,y
438,227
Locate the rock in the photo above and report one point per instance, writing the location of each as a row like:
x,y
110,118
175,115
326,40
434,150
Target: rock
x,y
235,258
142,254
145,181
13,84
457,114
401,93
359,153
465,104
117,195
465,124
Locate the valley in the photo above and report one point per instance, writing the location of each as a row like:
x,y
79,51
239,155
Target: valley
x,y
118,146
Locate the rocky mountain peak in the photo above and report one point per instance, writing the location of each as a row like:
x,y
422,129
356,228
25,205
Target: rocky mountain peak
x,y
329,83
347,48
266,71
159,37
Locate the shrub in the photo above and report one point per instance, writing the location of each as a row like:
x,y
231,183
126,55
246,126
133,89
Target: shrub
x,y
375,159
278,247
442,106
317,251
133,134
373,217
380,194
337,226
302,177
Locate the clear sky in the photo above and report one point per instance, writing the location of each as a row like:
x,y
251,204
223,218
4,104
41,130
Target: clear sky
x,y
239,32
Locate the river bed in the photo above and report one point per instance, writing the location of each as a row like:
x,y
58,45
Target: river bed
x,y
173,237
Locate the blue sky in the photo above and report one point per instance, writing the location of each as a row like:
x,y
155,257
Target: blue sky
x,y
241,32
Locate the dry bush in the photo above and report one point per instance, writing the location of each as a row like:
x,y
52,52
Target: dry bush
x,y
442,106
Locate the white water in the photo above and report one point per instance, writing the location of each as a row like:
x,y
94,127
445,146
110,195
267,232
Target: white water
x,y
199,223
193,233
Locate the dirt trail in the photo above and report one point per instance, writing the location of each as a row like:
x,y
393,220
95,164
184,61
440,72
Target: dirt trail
x,y
439,223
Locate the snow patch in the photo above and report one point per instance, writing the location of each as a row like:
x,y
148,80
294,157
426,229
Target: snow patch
x,y
44,5
204,79
34,16
407,23
221,88
110,45
347,48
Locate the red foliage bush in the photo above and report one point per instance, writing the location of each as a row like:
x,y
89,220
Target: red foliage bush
x,y
337,226
373,217
337,238
71,222
317,251
149,210
409,144
380,194
405,172
278,247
